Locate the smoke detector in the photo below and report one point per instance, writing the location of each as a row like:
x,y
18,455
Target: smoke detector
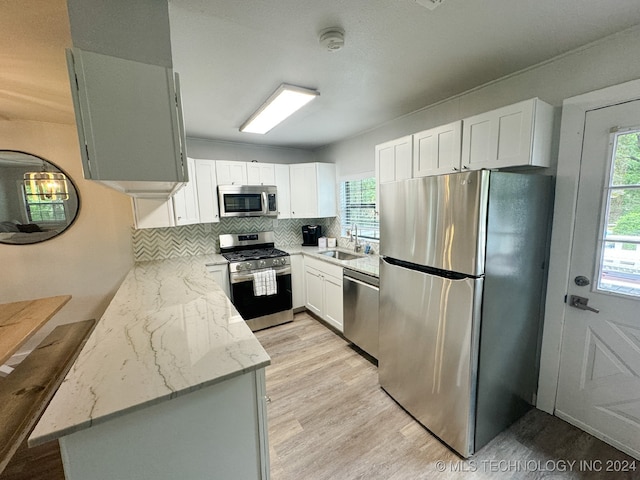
x,y
430,4
332,38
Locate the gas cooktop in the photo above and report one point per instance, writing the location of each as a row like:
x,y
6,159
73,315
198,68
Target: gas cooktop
x,y
254,254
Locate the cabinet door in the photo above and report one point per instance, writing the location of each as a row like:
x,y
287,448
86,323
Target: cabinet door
x,y
221,275
479,141
304,192
515,129
207,190
499,138
283,185
231,173
153,212
437,150
326,203
127,119
314,291
394,160
261,173
185,200
333,301
297,280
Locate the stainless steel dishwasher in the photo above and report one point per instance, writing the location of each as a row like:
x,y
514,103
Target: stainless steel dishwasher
x,y
360,307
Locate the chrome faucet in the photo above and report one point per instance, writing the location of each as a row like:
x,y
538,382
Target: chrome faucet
x,y
357,246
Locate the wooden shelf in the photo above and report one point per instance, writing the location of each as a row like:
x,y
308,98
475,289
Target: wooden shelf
x,y
26,392
20,320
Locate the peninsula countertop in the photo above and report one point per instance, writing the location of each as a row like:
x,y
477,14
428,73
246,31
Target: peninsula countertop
x,y
168,331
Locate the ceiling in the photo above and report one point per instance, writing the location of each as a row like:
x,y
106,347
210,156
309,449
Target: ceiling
x,y
231,55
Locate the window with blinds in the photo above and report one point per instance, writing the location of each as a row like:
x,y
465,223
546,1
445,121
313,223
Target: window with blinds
x,y
358,206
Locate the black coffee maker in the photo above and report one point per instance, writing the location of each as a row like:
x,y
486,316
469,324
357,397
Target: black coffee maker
x,y
310,235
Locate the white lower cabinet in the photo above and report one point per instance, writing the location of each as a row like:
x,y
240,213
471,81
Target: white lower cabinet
x,y
220,274
297,280
219,431
323,283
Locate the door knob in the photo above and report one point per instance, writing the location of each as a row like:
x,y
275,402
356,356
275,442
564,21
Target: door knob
x,y
581,303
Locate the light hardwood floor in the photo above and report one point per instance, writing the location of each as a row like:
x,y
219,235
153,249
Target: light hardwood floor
x,y
329,419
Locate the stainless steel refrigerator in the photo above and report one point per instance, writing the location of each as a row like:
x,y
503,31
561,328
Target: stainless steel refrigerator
x,y
462,280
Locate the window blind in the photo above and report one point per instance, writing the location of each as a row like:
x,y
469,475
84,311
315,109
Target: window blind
x,y
358,206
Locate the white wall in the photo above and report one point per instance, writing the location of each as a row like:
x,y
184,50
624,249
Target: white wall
x,y
245,152
607,62
91,258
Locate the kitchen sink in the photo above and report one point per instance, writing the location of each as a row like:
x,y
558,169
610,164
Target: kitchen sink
x,y
338,255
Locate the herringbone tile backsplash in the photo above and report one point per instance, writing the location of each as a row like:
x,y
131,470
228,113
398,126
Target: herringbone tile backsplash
x,y
161,243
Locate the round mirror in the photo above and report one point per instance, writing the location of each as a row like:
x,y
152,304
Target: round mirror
x,y
38,201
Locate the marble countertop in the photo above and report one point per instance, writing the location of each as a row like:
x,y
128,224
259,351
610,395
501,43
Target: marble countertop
x,y
168,331
368,264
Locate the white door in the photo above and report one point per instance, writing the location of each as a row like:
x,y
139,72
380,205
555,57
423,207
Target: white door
x,y
599,381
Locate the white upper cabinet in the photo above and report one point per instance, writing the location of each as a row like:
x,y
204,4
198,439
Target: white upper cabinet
x,y
512,136
153,212
313,190
207,190
185,200
129,121
283,186
261,173
394,160
231,173
437,150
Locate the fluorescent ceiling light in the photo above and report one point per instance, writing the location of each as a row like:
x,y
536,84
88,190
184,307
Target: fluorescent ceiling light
x,y
286,100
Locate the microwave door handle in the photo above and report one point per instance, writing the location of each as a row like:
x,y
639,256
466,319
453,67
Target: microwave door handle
x,y
265,203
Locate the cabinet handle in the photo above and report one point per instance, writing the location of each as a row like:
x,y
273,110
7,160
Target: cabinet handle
x,y
455,169
464,167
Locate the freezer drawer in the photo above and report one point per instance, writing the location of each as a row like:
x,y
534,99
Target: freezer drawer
x,y
360,297
428,349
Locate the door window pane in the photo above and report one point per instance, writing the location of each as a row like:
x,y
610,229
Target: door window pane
x,y
619,270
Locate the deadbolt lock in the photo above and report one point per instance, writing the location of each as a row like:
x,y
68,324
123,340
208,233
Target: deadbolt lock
x,y
581,281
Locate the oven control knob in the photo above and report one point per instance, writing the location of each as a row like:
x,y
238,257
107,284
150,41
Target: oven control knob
x,y
262,263
244,266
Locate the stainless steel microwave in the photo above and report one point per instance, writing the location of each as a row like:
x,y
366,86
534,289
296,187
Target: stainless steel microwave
x,y
247,201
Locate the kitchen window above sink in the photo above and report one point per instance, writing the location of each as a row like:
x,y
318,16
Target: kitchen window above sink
x,y
358,207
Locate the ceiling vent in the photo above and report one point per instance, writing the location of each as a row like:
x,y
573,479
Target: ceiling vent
x,y
430,4
332,38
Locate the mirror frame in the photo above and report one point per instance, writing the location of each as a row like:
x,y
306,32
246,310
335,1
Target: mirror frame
x,y
75,190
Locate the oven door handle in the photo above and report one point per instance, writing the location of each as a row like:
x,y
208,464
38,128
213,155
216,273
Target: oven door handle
x,y
248,277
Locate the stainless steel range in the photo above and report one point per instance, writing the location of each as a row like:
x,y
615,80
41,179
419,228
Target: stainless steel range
x,y
260,278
